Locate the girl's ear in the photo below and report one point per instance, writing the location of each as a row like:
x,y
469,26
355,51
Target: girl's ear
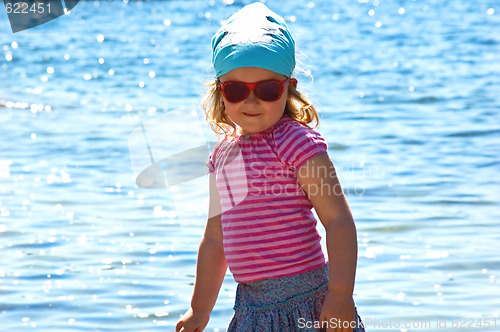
x,y
293,82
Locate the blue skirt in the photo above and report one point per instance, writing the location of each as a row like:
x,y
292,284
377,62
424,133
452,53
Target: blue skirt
x,y
283,304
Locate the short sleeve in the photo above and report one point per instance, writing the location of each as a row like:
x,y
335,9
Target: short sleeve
x,y
219,155
210,164
297,143
212,159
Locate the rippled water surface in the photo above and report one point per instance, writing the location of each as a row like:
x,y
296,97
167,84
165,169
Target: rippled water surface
x,y
408,94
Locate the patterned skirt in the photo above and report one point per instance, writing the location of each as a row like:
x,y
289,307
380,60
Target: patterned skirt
x,y
283,304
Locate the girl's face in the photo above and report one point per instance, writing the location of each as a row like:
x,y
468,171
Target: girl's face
x,y
253,115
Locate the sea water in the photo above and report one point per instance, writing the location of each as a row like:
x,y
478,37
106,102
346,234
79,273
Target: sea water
x,y
409,105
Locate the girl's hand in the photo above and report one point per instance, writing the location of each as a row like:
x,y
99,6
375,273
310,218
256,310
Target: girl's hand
x,y
192,321
339,313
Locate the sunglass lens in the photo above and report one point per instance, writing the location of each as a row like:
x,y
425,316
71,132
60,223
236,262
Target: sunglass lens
x,y
268,91
235,92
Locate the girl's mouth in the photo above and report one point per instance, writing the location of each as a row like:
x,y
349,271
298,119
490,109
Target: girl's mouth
x,y
248,114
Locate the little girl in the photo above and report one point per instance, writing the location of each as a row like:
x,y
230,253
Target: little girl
x,y
266,175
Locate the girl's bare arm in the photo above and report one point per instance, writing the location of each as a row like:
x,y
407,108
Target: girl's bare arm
x,y
319,180
210,271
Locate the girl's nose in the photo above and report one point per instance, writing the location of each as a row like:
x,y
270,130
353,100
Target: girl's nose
x,y
251,98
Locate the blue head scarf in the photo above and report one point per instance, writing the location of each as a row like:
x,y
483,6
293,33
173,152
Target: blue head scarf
x,y
255,36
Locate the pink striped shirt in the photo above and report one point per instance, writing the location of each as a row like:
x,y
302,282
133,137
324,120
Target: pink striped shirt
x,y
268,227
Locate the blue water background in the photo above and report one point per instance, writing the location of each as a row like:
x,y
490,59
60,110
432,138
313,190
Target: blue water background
x,y
409,98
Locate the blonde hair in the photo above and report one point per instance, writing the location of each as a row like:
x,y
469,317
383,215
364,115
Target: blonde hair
x,y
298,107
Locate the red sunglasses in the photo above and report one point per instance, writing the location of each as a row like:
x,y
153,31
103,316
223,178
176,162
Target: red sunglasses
x,y
268,90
